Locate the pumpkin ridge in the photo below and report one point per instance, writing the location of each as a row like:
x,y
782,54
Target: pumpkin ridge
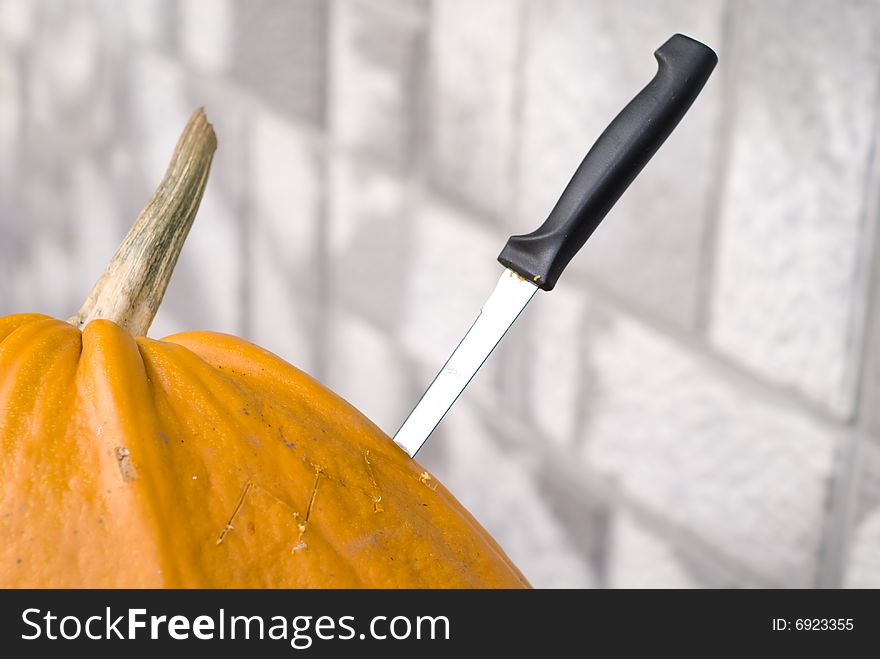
x,y
37,366
8,324
110,356
25,355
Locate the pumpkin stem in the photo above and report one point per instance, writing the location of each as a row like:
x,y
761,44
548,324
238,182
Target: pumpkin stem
x,y
131,289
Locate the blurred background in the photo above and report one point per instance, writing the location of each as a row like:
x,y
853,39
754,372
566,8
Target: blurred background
x,y
697,404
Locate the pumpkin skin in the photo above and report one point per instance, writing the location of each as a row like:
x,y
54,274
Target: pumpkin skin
x,y
205,461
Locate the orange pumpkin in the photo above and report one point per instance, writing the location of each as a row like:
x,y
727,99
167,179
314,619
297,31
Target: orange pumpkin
x,y
202,460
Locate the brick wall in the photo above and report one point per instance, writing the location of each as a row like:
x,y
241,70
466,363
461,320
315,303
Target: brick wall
x,y
697,403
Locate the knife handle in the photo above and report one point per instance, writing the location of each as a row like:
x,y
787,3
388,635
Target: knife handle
x,y
616,158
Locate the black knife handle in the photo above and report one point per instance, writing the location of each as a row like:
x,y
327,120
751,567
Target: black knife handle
x,y
616,158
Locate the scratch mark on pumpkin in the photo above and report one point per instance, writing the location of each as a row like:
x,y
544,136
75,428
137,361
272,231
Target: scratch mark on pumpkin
x,y
425,479
303,525
377,494
273,496
123,460
318,472
244,492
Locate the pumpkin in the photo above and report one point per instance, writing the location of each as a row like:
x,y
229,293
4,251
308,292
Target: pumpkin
x,y
202,460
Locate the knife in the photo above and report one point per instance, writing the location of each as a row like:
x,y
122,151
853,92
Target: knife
x,y
535,261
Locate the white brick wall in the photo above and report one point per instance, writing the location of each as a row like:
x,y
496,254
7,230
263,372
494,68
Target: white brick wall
x,y
556,363
95,229
863,564
790,278
369,371
870,394
641,559
285,212
452,270
280,54
678,413
709,453
474,91
376,72
146,21
368,241
206,35
16,21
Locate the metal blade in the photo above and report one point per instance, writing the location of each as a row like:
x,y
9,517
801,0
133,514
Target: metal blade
x,y
509,298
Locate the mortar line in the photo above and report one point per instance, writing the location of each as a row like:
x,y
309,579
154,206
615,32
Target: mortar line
x,y
727,368
864,327
843,501
731,19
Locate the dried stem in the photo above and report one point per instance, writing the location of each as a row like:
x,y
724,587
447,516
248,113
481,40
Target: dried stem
x,y
131,289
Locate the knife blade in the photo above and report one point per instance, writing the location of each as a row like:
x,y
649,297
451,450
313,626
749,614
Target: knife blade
x,y
535,261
